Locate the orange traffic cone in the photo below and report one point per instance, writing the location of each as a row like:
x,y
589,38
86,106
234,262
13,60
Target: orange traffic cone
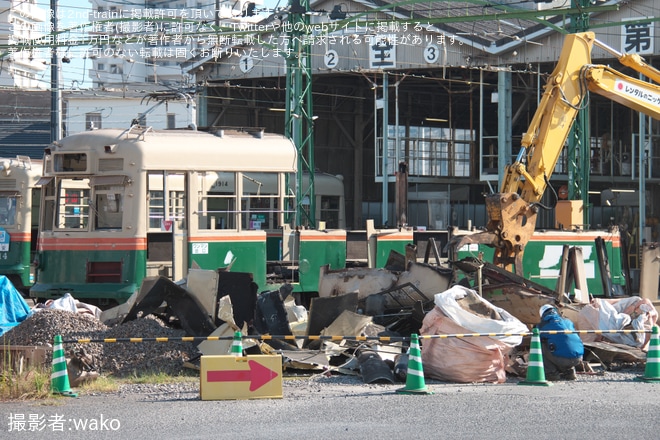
x,y
59,378
535,369
652,370
415,377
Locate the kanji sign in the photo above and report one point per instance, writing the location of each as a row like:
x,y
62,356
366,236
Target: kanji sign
x,y
637,37
382,52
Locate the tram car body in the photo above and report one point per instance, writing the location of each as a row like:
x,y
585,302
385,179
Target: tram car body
x,y
19,219
121,205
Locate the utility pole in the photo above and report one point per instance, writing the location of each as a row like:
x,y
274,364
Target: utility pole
x,y
579,143
386,117
55,93
299,117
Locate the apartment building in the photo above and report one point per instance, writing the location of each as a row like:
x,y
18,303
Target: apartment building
x,y
20,22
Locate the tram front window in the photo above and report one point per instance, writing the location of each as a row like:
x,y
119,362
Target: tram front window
x,y
73,204
7,210
109,210
330,206
108,203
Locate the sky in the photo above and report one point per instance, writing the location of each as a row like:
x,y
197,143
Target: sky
x,y
72,13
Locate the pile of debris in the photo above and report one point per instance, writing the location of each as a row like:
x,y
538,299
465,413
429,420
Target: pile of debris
x,y
385,305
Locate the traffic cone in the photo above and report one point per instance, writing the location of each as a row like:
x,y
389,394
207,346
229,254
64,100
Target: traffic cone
x,y
415,376
59,377
237,345
535,370
652,370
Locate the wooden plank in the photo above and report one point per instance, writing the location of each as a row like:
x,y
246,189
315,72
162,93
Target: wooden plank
x,y
21,357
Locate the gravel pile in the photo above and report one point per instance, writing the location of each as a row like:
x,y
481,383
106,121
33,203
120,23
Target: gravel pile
x,y
120,358
166,357
41,327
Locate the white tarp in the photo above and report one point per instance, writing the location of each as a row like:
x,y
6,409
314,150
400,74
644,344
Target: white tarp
x,y
617,314
70,304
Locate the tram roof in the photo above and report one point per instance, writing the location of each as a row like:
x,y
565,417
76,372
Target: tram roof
x,y
226,150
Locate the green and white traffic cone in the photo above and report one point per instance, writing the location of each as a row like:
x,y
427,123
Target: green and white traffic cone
x,y
652,370
415,377
535,369
59,377
237,345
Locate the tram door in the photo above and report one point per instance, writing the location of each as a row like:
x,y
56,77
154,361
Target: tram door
x,y
167,232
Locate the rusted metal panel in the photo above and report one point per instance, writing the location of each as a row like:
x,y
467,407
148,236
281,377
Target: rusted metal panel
x,y
155,291
324,311
521,302
609,352
364,281
495,275
428,279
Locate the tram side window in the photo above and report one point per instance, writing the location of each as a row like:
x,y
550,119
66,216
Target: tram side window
x,y
216,201
259,202
7,210
157,217
73,204
220,211
177,208
259,212
156,209
166,201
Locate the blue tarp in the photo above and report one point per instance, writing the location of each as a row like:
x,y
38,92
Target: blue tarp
x,y
13,308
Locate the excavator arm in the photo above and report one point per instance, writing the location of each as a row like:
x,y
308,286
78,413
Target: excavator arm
x,y
512,212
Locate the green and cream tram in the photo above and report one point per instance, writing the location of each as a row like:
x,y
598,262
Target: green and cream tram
x,y
121,205
19,217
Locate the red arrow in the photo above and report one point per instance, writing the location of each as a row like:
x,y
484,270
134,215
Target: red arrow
x,y
257,375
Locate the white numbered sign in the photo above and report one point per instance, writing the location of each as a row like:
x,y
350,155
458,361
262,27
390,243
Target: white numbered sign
x,y
331,59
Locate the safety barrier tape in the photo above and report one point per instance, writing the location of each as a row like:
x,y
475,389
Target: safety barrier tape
x,y
338,338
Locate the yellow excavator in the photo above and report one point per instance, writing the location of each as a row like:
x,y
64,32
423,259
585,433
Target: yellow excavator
x,y
512,212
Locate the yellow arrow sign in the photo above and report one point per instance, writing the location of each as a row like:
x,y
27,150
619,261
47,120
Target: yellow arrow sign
x,y
248,377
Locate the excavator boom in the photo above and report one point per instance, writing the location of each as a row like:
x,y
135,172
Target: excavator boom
x,y
512,212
